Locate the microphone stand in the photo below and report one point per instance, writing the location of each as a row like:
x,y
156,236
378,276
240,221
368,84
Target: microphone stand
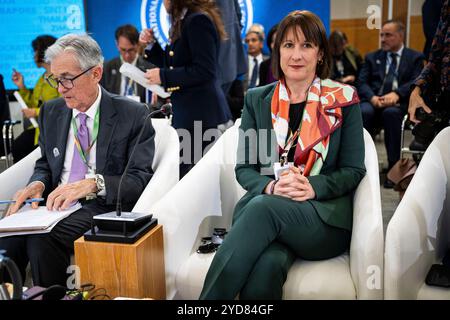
x,y
118,226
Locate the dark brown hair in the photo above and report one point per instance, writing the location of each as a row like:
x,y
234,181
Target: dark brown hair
x,y
314,31
129,32
205,6
40,44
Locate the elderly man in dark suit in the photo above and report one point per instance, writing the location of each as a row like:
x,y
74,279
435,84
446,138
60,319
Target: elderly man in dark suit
x,y
86,140
127,42
384,86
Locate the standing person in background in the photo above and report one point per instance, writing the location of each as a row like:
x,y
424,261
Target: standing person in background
x,y
42,92
432,88
346,64
127,42
307,211
265,70
232,54
189,69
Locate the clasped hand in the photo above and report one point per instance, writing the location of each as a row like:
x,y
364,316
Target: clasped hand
x,y
294,185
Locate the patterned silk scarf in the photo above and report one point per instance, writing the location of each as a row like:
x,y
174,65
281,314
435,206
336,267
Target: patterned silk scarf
x,y
321,117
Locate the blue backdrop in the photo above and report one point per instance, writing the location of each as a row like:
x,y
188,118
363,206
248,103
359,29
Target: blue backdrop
x,y
104,16
23,20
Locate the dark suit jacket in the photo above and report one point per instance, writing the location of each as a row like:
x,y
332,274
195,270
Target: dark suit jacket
x,y
190,70
121,119
232,57
342,170
374,69
431,11
111,78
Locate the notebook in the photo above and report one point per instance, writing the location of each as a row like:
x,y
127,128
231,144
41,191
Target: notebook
x,y
32,221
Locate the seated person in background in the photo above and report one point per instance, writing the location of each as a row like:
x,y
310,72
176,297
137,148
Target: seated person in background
x,y
42,92
86,140
127,42
4,111
384,86
265,69
346,64
255,44
432,87
307,212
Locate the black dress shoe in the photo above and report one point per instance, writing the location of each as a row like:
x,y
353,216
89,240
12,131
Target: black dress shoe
x,y
388,184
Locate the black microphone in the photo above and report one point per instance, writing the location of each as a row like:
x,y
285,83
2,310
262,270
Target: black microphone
x,y
112,223
165,109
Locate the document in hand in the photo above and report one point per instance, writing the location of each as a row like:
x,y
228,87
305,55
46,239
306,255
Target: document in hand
x,y
137,75
32,221
23,105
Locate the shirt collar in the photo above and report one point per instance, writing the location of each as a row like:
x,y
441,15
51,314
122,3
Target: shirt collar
x,y
399,52
134,61
93,108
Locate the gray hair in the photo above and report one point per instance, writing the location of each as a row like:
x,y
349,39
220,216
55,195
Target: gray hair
x,y
86,49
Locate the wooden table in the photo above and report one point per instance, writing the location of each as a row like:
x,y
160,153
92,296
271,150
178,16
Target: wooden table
x,y
126,270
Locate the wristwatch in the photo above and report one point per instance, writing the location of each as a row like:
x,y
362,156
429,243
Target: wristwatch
x,y
99,181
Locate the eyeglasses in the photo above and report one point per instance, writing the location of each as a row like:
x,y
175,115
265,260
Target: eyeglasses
x,y
65,82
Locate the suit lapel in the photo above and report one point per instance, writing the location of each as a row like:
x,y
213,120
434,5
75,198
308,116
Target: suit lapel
x,y
62,131
266,114
108,121
402,65
383,60
117,76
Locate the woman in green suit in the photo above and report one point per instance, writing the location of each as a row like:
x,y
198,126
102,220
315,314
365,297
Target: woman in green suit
x,y
312,126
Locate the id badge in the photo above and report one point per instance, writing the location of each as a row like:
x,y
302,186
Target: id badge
x,y
278,169
135,98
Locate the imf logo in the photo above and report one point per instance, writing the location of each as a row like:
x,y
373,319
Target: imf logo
x,y
154,16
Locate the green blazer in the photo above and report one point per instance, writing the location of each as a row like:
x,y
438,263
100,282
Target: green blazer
x,y
341,173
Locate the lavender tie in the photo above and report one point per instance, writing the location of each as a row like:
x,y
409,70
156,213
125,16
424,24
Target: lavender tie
x,y
79,168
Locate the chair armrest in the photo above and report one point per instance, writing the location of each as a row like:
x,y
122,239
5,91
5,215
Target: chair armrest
x,y
366,250
185,211
418,233
17,176
165,166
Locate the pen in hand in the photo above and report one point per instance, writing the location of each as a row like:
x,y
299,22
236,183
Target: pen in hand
x,y
26,201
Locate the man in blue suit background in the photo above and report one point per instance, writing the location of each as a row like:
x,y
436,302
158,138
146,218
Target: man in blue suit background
x,y
384,86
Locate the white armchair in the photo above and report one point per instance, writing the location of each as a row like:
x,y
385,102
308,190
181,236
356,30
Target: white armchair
x,y
165,166
418,234
205,198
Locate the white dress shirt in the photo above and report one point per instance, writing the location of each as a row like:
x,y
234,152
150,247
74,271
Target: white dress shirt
x,y
70,146
123,80
388,64
251,64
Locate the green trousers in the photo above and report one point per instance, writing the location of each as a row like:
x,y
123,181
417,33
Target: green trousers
x,y
268,234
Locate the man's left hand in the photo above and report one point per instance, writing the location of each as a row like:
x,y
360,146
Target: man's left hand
x,y
65,195
390,99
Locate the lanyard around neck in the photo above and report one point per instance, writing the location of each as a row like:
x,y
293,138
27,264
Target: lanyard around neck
x,y
84,153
